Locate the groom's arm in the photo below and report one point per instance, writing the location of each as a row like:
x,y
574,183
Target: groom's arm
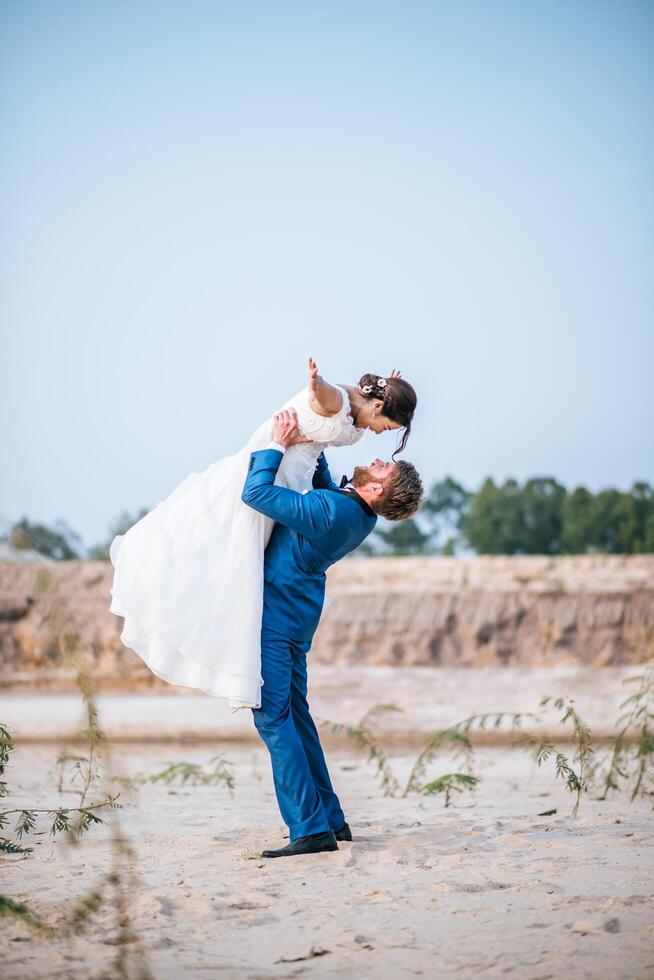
x,y
322,478
306,513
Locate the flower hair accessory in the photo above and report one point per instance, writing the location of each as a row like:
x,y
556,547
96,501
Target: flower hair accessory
x,y
368,389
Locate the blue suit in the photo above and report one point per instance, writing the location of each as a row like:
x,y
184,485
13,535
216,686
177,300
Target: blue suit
x,y
313,531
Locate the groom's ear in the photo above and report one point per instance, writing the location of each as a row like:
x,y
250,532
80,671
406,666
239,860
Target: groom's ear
x,y
375,488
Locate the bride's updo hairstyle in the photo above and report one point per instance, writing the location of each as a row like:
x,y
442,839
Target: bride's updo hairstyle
x,y
399,399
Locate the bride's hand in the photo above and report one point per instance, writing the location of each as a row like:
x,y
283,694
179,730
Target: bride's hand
x,y
324,398
395,374
314,377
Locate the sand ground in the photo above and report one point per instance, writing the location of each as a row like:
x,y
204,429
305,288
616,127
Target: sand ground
x,y
429,699
486,887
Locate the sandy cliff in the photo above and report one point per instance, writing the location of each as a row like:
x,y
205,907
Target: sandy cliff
x,y
531,611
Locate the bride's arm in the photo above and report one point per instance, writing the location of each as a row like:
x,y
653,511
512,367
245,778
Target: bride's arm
x,y
324,398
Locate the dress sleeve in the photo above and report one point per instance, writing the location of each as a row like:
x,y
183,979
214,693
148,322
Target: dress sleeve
x,y
328,430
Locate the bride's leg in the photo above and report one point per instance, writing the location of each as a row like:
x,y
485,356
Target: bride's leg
x,y
306,728
299,802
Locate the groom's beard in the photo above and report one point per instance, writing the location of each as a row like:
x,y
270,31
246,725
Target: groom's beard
x,y
360,477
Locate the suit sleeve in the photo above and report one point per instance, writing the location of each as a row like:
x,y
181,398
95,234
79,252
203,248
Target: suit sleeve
x,y
306,513
322,478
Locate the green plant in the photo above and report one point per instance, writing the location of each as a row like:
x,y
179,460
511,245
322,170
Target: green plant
x,y
452,782
181,773
450,738
122,881
66,643
366,740
60,818
11,847
632,749
6,747
79,766
456,739
18,910
576,781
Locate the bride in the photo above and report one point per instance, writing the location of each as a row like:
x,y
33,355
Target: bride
x,y
188,577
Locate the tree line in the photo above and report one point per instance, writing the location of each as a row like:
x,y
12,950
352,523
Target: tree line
x,y
61,542
537,517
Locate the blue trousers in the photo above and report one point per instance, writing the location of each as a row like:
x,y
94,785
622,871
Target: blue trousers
x,y
307,801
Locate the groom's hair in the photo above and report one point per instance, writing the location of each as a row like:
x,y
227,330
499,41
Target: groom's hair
x,y
403,494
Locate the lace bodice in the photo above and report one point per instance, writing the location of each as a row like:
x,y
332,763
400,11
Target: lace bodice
x,y
335,430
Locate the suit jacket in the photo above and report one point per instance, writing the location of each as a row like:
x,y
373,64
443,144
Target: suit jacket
x,y
313,530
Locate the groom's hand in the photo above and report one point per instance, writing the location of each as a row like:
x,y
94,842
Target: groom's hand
x,y
285,429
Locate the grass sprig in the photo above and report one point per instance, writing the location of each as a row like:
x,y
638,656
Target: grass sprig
x,y
60,818
6,748
184,773
577,780
451,782
632,752
457,739
366,740
18,910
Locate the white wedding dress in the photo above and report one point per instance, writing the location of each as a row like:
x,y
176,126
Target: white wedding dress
x,y
188,577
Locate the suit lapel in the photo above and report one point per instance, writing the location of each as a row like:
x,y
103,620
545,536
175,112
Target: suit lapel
x,y
353,495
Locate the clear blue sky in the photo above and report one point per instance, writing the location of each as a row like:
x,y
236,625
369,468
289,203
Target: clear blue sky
x,y
197,195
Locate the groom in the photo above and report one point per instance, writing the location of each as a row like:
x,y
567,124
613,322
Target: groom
x,y
313,530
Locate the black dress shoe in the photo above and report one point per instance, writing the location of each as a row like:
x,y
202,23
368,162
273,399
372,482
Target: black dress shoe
x,y
344,833
311,844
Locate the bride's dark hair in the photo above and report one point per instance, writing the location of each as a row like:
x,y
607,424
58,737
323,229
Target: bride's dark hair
x,y
399,399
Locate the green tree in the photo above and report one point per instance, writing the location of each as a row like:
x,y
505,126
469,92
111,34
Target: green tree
x,y
577,531
492,522
606,519
515,520
609,521
541,503
442,512
648,539
620,520
403,538
59,542
643,497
